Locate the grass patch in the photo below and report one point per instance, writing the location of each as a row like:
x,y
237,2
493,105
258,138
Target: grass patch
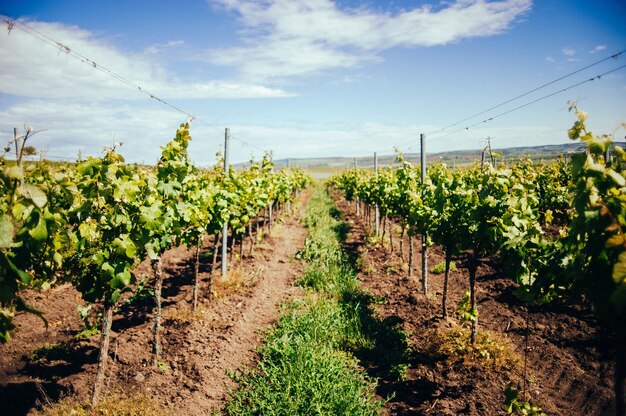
x,y
305,367
50,352
310,361
440,267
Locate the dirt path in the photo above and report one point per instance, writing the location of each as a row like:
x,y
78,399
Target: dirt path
x,y
198,350
230,341
569,355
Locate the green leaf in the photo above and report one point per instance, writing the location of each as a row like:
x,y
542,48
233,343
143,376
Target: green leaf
x,y
6,231
6,262
115,296
6,325
88,230
617,178
40,232
35,194
12,172
121,280
125,246
619,269
578,161
150,250
151,217
614,241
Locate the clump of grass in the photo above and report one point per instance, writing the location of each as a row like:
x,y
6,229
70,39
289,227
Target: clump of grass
x,y
374,240
202,315
51,352
87,333
490,351
111,405
441,267
239,278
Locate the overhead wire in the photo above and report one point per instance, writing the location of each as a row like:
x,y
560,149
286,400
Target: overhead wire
x,y
597,77
248,144
613,56
484,121
13,23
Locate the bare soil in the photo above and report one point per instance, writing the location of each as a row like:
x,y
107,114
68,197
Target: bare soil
x,y
198,350
569,356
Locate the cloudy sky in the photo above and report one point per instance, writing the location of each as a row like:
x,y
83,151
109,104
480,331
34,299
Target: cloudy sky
x,y
307,78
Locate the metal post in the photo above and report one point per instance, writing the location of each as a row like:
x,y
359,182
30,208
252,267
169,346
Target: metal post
x,y
271,205
358,208
225,229
376,210
424,235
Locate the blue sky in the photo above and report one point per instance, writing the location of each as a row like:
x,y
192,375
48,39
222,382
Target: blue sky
x,y
308,78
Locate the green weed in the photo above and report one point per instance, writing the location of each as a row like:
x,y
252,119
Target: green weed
x,y
440,267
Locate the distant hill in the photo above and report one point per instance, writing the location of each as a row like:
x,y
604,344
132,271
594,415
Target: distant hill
x,y
324,167
457,157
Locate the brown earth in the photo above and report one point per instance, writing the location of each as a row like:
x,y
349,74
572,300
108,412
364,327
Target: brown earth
x,y
198,350
568,353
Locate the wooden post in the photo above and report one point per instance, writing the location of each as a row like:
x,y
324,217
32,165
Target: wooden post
x,y
424,236
225,229
103,356
19,154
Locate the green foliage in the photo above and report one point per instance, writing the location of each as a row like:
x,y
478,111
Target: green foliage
x,y
596,237
33,231
440,267
90,328
105,221
466,313
515,406
93,222
483,212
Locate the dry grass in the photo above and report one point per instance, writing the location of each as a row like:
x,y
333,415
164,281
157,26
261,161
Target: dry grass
x,y
240,277
111,405
202,315
278,228
490,351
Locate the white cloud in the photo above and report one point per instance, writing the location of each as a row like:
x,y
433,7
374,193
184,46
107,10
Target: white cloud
x,y
598,48
70,126
164,47
32,68
567,51
290,38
